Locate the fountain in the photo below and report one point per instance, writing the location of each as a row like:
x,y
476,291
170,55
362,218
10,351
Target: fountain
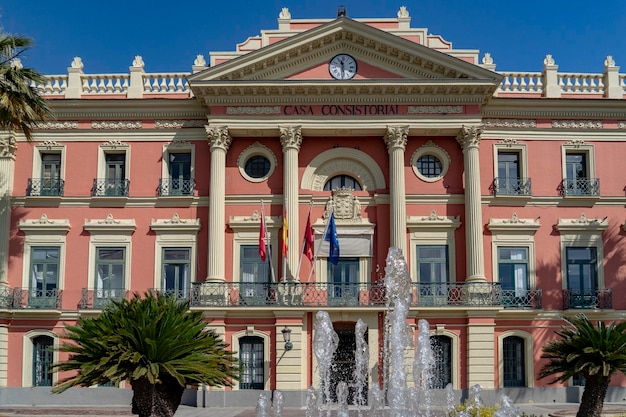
x,y
396,398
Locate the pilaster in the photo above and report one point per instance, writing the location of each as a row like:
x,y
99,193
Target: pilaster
x,y
396,140
291,141
4,355
469,139
8,150
480,351
219,142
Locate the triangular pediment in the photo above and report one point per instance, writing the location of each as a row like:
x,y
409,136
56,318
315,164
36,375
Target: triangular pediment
x,y
383,58
390,53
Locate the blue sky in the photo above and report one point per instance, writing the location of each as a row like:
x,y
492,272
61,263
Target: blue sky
x,y
169,34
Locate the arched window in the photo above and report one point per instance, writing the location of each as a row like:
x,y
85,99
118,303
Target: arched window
x,y
339,181
42,361
442,350
513,361
252,362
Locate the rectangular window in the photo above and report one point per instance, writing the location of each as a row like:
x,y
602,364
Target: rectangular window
x,y
255,276
176,267
582,276
513,274
432,274
343,282
110,265
44,277
115,174
508,173
578,176
51,183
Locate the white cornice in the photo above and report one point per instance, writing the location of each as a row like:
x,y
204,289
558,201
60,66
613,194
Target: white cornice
x,y
542,108
123,109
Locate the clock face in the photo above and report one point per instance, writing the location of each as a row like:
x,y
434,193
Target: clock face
x,y
342,67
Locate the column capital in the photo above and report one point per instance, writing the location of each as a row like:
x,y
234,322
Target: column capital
x,y
290,137
218,137
8,146
469,136
396,137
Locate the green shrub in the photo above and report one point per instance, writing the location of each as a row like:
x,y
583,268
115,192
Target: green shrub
x,y
486,411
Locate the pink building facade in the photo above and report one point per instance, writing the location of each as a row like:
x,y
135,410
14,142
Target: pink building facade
x,y
502,189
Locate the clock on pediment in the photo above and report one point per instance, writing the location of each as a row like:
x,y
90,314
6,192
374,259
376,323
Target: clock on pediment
x,y
342,67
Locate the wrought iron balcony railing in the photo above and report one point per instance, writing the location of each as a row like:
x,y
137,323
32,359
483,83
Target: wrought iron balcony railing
x,y
45,187
511,186
99,298
103,187
588,187
36,298
314,294
521,299
587,299
171,187
6,298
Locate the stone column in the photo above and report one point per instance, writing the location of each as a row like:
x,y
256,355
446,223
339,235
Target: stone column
x,y
469,139
8,149
219,142
291,140
396,139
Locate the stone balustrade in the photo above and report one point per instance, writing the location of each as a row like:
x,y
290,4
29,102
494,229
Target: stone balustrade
x,y
139,84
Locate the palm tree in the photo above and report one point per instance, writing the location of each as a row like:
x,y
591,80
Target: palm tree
x,y
154,343
21,106
594,352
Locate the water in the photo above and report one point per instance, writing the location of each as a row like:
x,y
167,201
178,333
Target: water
x,y
398,397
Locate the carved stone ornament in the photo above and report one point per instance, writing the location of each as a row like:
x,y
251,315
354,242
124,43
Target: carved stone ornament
x,y
177,124
49,144
432,217
515,123
58,125
218,137
469,136
577,124
43,220
396,137
138,61
199,61
403,12
114,144
109,220
77,63
284,13
435,109
116,125
548,60
621,125
8,147
290,137
247,110
514,219
344,205
175,219
487,59
609,62
577,143
508,142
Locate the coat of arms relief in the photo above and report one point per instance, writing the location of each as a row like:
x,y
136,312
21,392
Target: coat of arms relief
x,y
344,204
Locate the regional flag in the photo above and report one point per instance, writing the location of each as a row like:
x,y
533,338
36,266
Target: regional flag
x,y
308,239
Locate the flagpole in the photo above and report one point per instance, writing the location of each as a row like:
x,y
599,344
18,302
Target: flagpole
x,y
332,207
268,248
303,245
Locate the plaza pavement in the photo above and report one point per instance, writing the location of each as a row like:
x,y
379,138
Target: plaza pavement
x,y
545,410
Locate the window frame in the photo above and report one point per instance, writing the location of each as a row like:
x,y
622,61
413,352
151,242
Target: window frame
x,y
178,146
430,148
441,330
253,368
252,331
256,149
175,233
579,147
27,355
510,146
529,365
47,147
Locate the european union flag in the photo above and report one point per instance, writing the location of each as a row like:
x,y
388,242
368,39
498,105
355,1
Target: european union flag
x,y
331,237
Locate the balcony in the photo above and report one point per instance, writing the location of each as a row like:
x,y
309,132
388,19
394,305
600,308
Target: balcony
x,y
521,299
103,187
580,187
6,299
40,187
100,298
511,187
314,294
37,298
587,299
176,187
